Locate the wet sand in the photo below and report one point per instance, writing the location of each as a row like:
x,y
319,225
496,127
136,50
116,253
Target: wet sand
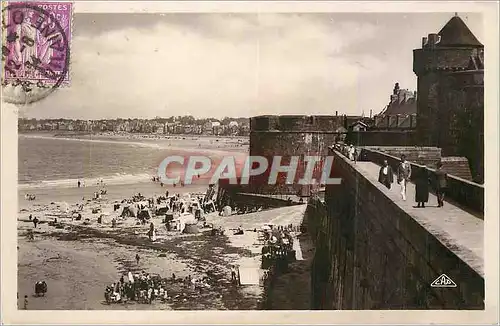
x,y
77,261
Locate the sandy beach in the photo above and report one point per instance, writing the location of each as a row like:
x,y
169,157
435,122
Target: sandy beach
x,y
178,142
78,260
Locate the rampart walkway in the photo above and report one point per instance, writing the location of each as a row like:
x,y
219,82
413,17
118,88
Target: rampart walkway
x,y
373,250
455,228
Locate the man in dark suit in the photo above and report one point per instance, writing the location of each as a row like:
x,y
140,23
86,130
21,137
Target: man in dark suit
x,y
385,175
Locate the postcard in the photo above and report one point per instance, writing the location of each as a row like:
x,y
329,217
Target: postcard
x,y
249,162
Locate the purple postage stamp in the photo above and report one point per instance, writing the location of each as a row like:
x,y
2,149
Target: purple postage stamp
x,y
36,45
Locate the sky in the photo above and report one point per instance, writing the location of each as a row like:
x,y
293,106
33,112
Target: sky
x,y
140,65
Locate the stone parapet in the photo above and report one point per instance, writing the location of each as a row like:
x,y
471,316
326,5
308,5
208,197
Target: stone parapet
x,y
372,253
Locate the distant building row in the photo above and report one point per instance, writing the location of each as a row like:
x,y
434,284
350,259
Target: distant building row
x,y
135,126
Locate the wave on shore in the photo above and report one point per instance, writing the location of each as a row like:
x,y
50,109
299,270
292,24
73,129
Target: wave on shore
x,y
139,171
105,141
118,179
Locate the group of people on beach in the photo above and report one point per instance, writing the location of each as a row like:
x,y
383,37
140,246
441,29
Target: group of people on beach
x,y
142,288
81,183
29,197
98,194
278,249
195,204
157,179
34,220
146,288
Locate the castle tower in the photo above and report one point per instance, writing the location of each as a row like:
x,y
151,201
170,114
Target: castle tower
x,y
449,67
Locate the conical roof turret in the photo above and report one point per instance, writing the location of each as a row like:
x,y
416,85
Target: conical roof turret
x,y
456,33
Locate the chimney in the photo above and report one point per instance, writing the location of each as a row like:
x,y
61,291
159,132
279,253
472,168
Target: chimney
x,y
371,111
336,113
424,42
395,91
433,40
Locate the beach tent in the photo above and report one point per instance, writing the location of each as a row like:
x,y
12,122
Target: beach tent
x,y
129,211
162,209
249,275
209,204
226,211
194,202
143,203
190,228
194,205
185,219
145,214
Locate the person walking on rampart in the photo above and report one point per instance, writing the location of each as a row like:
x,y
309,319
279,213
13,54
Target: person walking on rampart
x,y
441,183
385,175
422,187
404,174
350,152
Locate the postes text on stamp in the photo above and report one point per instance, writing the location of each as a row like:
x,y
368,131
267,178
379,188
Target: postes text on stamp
x,y
35,49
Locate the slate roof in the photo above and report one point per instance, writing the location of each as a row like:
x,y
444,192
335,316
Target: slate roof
x,y
456,33
405,107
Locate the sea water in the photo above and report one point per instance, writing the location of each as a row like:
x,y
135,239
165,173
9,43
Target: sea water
x,y
47,162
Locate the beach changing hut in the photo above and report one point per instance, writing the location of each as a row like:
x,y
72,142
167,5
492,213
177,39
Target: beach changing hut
x,y
184,221
129,211
226,211
144,214
191,228
162,209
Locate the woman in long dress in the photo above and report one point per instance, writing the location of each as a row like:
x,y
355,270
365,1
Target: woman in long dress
x,y
422,187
